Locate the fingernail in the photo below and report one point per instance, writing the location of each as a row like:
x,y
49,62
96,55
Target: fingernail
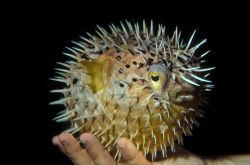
x,y
54,140
121,144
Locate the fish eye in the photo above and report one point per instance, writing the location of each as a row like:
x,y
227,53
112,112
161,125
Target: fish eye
x,y
155,78
155,81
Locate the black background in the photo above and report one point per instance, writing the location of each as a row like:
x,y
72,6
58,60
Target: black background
x,y
225,127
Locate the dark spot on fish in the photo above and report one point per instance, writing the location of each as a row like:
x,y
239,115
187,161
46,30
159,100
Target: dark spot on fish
x,y
150,61
118,58
121,85
182,71
182,60
127,66
120,71
134,62
118,50
75,80
152,54
141,65
170,66
142,50
134,79
98,52
156,98
85,56
164,62
148,48
131,52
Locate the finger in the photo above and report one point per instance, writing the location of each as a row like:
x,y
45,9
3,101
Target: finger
x,y
57,143
73,150
96,151
130,154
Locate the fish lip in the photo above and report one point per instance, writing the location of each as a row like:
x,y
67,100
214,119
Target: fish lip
x,y
183,95
185,98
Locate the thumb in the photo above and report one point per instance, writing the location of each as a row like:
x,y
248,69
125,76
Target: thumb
x,y
130,154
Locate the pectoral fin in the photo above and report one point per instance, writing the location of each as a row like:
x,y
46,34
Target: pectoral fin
x,y
98,70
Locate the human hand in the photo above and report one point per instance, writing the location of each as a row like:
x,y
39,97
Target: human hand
x,y
95,153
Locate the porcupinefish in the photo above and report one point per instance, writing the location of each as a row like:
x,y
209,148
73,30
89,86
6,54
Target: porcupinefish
x,y
134,82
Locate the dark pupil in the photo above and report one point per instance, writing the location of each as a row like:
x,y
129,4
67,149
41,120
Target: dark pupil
x,y
155,78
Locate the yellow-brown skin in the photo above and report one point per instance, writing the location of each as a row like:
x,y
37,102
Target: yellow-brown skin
x,y
150,127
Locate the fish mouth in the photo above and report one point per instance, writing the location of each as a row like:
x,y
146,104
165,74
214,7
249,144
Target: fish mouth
x,y
185,98
183,95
